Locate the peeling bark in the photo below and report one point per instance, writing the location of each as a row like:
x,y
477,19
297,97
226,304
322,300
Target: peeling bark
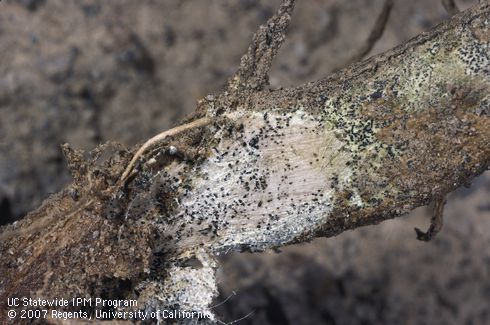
x,y
274,167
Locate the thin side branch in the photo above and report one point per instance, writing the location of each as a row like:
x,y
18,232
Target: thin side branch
x,y
375,34
451,7
435,222
266,42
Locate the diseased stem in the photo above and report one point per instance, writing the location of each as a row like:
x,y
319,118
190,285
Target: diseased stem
x,y
366,144
438,210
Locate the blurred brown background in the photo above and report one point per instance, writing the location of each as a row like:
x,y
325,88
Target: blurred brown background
x,y
90,71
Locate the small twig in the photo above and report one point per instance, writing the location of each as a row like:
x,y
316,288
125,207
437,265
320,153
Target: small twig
x,y
450,6
158,138
255,64
375,34
435,222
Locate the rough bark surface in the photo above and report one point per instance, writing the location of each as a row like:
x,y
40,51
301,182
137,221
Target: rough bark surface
x,y
369,143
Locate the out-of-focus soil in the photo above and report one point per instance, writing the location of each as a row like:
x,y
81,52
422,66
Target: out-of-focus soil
x,y
91,71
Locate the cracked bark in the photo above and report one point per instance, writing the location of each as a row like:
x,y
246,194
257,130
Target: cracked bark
x,y
273,167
